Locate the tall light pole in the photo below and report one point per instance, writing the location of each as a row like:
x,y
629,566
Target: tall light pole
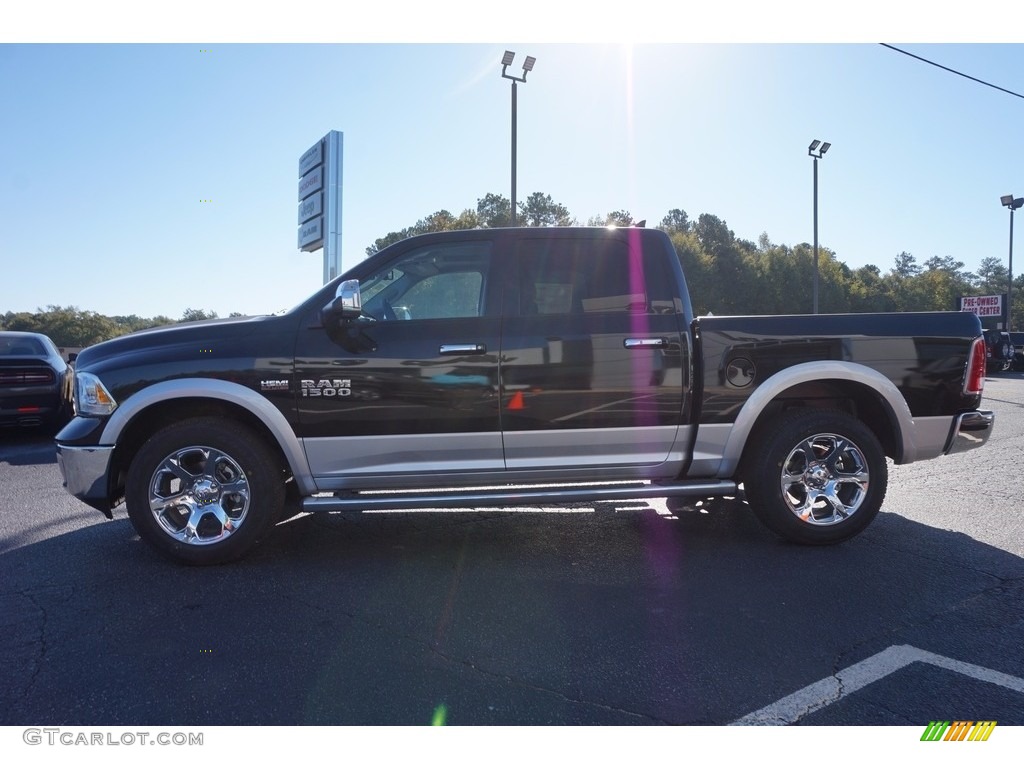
x,y
816,150
506,62
1013,205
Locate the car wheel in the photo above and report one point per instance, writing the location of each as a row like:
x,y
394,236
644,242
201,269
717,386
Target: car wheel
x,y
815,477
204,491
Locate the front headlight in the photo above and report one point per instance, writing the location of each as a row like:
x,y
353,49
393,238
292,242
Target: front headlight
x,y
91,397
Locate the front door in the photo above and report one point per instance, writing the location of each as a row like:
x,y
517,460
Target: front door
x,y
411,389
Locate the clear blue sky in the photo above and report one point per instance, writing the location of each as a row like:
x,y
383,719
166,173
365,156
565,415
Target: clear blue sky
x,y
106,150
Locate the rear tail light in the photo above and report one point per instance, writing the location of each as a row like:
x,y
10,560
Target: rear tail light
x,y
39,377
26,378
974,380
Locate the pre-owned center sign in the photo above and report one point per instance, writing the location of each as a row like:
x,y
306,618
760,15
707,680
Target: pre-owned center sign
x,y
983,306
320,201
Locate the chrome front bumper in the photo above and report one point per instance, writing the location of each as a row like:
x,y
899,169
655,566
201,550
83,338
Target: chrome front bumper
x,y
970,430
85,474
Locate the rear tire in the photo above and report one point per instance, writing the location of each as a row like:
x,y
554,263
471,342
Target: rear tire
x,y
815,477
204,491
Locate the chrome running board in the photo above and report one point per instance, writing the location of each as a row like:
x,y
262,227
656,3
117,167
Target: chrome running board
x,y
506,495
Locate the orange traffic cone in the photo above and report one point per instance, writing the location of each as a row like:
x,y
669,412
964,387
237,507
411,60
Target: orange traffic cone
x,y
516,403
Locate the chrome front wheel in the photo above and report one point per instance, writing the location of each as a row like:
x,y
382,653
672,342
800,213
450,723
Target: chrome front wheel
x,y
199,495
204,491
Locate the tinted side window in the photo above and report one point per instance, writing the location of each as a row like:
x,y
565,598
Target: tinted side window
x,y
451,294
438,281
584,276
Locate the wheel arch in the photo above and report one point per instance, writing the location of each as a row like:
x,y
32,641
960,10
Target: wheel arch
x,y
170,402
852,388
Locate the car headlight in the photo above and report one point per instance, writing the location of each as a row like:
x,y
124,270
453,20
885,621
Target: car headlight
x,y
91,397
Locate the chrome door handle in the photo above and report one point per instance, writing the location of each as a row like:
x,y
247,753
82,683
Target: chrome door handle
x,y
644,343
462,349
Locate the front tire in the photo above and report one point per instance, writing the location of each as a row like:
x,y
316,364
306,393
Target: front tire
x,y
204,491
815,477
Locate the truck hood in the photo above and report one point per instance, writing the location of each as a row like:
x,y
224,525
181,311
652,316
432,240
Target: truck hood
x,y
202,334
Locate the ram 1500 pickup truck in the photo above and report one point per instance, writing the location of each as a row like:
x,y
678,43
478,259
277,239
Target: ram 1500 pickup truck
x,y
525,366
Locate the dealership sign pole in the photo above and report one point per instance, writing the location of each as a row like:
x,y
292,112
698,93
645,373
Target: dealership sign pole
x,y
320,201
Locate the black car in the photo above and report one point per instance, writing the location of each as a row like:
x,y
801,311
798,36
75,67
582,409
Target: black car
x,y
1017,339
999,350
35,382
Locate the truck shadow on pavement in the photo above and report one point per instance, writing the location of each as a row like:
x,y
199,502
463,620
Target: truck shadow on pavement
x,y
602,614
27,447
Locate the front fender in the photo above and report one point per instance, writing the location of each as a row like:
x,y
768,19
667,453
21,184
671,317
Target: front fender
x,y
216,389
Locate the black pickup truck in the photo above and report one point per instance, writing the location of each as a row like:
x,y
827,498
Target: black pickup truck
x,y
525,366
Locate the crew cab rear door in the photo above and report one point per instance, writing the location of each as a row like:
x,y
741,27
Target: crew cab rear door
x,y
593,365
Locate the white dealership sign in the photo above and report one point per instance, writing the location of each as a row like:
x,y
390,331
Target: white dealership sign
x,y
310,233
983,306
320,201
310,207
311,158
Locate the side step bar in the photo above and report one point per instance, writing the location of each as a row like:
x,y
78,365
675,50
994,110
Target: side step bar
x,y
518,495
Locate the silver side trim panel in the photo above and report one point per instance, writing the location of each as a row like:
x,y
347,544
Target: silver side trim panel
x,y
488,497
350,456
459,459
216,389
708,449
618,446
932,436
818,371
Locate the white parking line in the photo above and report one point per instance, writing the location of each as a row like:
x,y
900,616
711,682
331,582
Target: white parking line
x,y
831,689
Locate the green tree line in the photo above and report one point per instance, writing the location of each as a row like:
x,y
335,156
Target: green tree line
x,y
727,275
74,327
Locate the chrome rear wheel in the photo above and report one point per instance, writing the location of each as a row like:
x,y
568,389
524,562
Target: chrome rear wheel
x,y
815,477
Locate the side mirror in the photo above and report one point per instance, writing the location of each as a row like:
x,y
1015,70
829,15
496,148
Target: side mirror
x,y
347,304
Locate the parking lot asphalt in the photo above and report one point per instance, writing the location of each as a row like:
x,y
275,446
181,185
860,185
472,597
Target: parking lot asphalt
x,y
609,613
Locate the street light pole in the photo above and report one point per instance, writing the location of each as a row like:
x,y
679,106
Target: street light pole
x,y
515,144
1013,205
816,151
506,62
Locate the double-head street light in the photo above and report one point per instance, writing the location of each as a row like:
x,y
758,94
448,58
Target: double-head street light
x,y
816,150
506,62
1013,205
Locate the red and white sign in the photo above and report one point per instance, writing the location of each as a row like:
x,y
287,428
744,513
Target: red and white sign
x,y
983,306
